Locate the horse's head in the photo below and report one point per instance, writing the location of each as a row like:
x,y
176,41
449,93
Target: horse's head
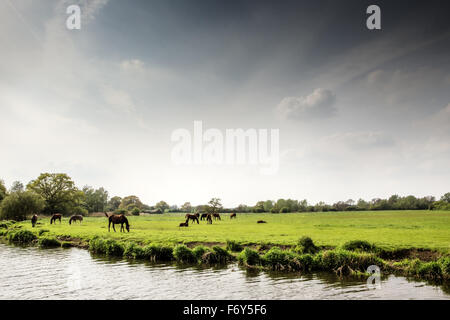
x,y
128,227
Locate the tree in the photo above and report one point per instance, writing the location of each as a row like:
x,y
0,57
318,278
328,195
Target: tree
x,y
214,205
95,200
268,205
186,207
131,200
446,197
162,205
114,203
58,191
259,207
18,205
17,186
2,190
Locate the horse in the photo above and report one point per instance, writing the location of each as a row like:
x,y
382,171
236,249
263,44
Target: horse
x,y
203,216
208,219
192,217
116,219
216,216
55,217
233,215
75,218
184,224
34,220
261,221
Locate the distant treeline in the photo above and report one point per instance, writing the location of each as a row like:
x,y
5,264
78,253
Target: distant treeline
x,y
56,193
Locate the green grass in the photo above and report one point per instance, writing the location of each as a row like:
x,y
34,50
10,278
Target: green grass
x,y
386,229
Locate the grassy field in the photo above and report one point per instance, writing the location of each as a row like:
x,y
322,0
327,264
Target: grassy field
x,y
388,229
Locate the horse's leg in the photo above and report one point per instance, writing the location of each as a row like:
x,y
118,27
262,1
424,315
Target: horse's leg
x,y
114,227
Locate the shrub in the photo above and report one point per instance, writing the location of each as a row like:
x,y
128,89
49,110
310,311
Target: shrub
x,y
306,245
430,270
274,210
134,251
22,236
344,261
19,204
109,247
277,259
217,255
48,242
135,211
249,257
284,210
233,246
183,254
445,265
358,245
306,262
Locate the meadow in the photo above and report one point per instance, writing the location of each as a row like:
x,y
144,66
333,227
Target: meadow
x,y
386,229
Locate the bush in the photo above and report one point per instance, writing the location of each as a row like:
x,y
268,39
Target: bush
x,y
284,210
18,205
183,254
217,255
274,210
277,259
135,212
445,265
430,270
233,246
306,245
48,242
134,251
22,236
109,247
249,257
358,245
344,261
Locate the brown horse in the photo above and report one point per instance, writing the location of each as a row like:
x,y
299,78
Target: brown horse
x,y
118,219
184,224
216,216
193,217
55,217
75,218
34,220
261,221
233,215
203,216
209,218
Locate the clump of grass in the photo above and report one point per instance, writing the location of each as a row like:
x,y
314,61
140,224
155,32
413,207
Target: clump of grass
x,y
277,259
346,262
218,255
109,247
359,245
42,231
249,257
306,245
184,254
48,242
430,270
445,265
22,236
199,251
156,252
66,244
134,251
6,224
233,246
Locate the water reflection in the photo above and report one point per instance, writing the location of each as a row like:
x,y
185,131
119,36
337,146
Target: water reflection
x,y
32,273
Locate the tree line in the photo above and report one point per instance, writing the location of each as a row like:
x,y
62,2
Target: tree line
x,y
57,193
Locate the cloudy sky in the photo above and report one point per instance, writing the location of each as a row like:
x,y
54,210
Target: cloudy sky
x,y
361,113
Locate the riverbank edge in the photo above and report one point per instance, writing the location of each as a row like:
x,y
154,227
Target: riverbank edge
x,y
352,259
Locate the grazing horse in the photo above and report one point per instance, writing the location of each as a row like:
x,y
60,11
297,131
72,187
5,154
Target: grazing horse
x,y
233,215
203,216
192,217
261,221
34,220
209,218
216,216
118,219
55,217
75,218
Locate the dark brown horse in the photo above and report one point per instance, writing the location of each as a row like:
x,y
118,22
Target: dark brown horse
x,y
261,221
233,215
209,218
75,218
203,216
184,224
216,216
55,217
34,220
193,217
118,219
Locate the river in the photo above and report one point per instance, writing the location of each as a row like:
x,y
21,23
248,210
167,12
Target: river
x,y
33,273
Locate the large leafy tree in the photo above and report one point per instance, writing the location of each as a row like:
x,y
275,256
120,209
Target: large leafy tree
x,y
186,207
95,200
114,203
162,205
131,202
58,191
214,205
2,190
18,205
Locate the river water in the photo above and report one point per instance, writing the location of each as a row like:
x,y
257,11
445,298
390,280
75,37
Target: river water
x,y
33,273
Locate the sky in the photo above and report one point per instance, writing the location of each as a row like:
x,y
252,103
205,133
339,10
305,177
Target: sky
x,y
361,113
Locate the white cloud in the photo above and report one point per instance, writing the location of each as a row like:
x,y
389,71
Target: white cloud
x,y
318,104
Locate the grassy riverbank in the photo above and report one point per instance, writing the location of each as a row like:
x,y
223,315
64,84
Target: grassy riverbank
x,y
413,243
